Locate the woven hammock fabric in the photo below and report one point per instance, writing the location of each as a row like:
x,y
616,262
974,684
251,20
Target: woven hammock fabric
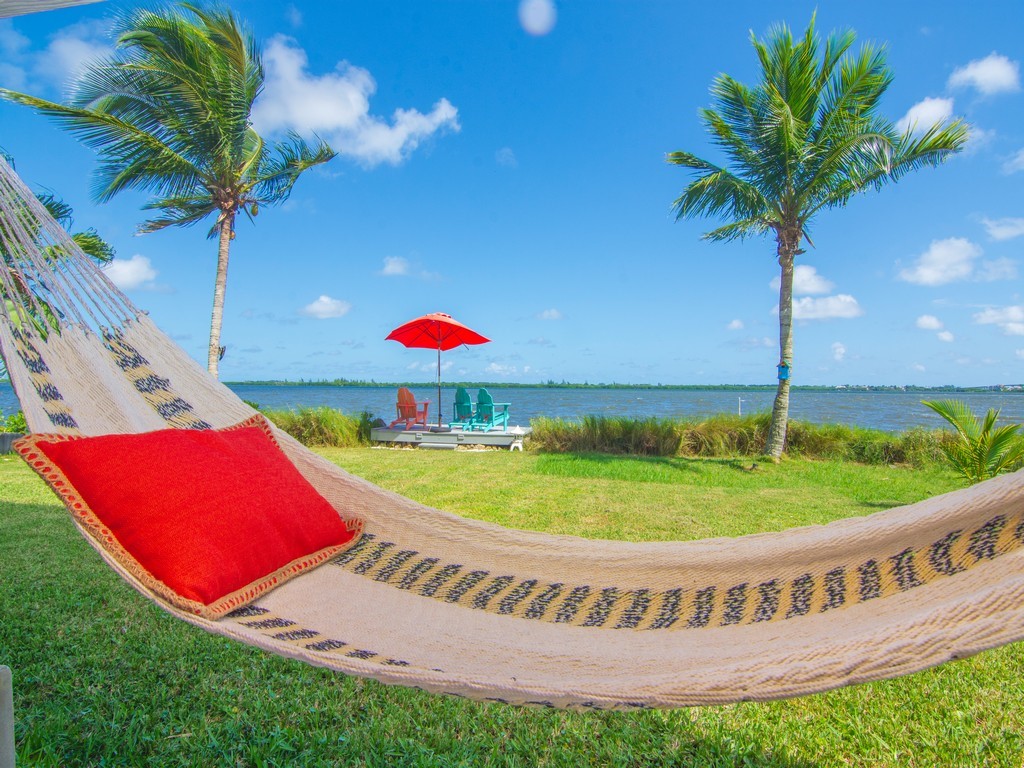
x,y
23,7
457,606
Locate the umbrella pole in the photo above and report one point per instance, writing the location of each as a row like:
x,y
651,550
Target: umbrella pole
x,y
439,385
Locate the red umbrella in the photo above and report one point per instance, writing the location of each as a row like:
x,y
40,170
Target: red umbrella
x,y
436,331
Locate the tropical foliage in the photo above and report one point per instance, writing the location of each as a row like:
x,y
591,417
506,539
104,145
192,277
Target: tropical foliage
x,y
15,422
981,449
170,114
806,138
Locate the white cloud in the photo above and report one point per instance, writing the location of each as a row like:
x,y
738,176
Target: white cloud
x,y
806,282
325,308
919,368
929,323
1015,163
501,370
1009,319
56,65
506,157
131,274
395,265
12,47
1000,269
944,336
1020,353
537,16
993,74
430,367
735,325
70,50
337,106
12,42
829,307
293,15
978,137
398,266
925,114
549,314
1004,229
838,351
945,261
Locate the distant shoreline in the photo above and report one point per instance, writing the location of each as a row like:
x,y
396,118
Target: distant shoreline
x,y
587,385
949,388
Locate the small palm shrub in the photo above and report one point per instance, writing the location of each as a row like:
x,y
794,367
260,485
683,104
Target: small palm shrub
x,y
318,426
980,450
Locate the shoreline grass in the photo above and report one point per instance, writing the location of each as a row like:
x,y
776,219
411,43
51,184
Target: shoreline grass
x,y
102,676
724,435
731,435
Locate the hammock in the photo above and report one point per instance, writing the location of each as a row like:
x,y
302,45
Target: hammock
x,y
451,605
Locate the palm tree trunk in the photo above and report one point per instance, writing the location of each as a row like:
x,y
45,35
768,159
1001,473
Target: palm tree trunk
x,y
787,249
227,226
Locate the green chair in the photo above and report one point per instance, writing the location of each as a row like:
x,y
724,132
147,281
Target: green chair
x,y
489,415
463,409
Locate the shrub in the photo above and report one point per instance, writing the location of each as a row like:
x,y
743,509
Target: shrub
x,y
14,423
727,435
602,434
320,426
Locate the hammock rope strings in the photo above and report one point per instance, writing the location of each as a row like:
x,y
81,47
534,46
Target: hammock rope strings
x,y
45,269
50,282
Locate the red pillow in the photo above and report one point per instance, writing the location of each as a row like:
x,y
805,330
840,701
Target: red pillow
x,y
207,519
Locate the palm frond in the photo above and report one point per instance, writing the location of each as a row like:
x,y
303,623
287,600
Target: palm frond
x,y
738,230
93,245
959,416
177,212
719,193
279,173
980,450
57,208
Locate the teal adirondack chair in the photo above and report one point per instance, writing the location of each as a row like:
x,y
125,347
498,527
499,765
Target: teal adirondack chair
x,y
463,409
489,415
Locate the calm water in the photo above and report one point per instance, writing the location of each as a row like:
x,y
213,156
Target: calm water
x,y
891,411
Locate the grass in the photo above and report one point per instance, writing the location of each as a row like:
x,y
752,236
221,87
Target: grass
x,y
102,677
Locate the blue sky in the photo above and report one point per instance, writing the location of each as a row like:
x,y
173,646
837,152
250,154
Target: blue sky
x,y
505,163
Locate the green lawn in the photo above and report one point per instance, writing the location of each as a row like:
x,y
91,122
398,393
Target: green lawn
x,y
102,677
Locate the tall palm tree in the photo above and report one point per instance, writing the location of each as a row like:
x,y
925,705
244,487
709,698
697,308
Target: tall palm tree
x,y
807,137
170,113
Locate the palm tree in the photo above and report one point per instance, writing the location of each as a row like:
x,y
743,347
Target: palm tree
x,y
980,451
806,138
170,113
